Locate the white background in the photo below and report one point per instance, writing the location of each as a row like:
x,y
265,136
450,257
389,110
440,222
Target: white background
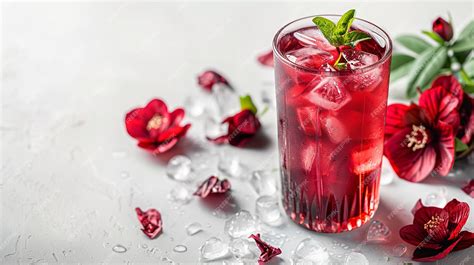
x,y
71,176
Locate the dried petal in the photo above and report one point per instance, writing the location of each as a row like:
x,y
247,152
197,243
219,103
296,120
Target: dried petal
x,y
267,251
212,185
151,222
242,127
208,79
266,58
469,188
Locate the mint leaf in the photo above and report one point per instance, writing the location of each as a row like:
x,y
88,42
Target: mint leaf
x,y
246,103
326,27
459,145
354,37
344,23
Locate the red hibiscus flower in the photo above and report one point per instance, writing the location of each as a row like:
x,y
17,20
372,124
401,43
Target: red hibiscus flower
x,y
443,29
266,59
151,222
267,251
209,78
437,231
242,127
420,138
156,129
212,185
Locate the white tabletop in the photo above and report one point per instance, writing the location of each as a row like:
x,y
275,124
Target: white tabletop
x,y
71,176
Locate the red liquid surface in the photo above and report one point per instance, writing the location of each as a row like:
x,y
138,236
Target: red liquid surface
x,y
330,130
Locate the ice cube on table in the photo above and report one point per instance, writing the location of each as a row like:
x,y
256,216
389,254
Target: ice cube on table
x,y
193,228
227,100
309,57
240,248
309,251
179,168
194,105
231,166
242,224
180,194
214,248
334,128
366,160
268,210
214,128
308,119
264,182
357,59
328,93
435,199
378,231
356,258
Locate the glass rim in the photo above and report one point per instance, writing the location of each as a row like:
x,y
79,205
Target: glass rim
x,y
386,37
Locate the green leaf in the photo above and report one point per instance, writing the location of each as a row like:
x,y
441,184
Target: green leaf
x,y
355,36
400,72
344,23
247,103
413,43
469,67
426,66
434,36
459,145
326,26
468,88
467,32
463,45
399,59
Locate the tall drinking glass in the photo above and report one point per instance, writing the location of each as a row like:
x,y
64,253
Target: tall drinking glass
x,y
330,124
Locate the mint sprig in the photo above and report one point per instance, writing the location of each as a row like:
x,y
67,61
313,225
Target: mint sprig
x,y
339,34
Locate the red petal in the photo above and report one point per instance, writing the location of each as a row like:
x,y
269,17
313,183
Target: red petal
x,y
440,232
427,255
149,145
458,214
394,121
266,58
219,140
212,185
267,251
156,106
408,164
441,105
176,117
136,124
451,84
417,206
445,149
209,78
151,222
245,122
416,235
467,119
467,240
469,188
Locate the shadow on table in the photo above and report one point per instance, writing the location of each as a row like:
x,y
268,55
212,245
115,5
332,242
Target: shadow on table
x,y
184,147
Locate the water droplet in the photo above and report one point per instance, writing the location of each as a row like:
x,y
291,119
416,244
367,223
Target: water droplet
x,y
180,194
240,248
378,231
119,249
193,228
180,248
399,250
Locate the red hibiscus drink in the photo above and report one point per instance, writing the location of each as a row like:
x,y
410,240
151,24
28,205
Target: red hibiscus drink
x,y
330,123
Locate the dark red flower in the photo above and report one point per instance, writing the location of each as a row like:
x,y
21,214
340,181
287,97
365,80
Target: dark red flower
x,y
437,231
242,127
267,251
415,145
420,138
443,29
151,222
209,78
266,58
469,188
156,129
212,185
